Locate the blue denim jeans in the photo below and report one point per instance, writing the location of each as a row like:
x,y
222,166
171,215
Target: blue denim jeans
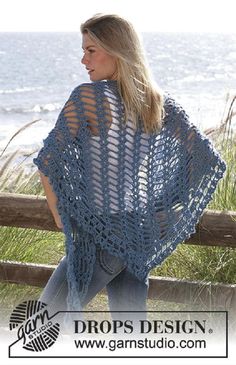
x,y
125,291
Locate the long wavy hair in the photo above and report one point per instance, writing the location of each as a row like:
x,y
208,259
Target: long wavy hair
x,y
142,98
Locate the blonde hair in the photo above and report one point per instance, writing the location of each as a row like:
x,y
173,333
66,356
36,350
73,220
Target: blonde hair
x,y
141,97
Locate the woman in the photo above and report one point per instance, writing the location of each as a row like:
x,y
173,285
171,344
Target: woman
x,y
125,174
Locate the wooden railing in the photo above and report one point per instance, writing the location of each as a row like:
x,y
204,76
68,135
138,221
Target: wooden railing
x,y
215,228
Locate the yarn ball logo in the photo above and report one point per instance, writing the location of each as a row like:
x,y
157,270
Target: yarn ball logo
x,y
34,326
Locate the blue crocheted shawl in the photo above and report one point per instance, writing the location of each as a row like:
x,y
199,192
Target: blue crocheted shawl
x,y
135,194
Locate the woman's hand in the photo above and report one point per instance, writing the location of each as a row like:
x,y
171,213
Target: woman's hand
x,y
51,199
58,221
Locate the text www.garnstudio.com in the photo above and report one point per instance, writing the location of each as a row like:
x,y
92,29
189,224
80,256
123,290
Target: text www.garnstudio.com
x,y
162,343
157,327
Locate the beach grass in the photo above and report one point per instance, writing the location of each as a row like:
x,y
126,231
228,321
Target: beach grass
x,y
207,264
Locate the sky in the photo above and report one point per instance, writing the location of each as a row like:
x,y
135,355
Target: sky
x,y
146,15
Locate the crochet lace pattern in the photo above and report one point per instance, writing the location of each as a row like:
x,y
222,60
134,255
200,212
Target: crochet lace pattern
x,y
135,194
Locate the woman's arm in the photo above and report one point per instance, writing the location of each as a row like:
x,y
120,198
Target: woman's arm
x,y
51,199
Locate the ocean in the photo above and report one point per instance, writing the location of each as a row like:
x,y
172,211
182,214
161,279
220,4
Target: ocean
x,y
38,71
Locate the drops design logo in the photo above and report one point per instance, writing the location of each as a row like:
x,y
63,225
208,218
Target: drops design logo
x,y
34,326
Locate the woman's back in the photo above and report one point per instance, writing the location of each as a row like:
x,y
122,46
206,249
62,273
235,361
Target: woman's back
x,y
120,159
147,187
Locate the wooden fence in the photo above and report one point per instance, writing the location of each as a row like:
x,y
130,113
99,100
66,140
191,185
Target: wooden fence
x,y
215,228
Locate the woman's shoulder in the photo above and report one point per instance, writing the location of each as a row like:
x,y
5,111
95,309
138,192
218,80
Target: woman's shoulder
x,y
86,87
89,91
170,103
94,86
173,108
